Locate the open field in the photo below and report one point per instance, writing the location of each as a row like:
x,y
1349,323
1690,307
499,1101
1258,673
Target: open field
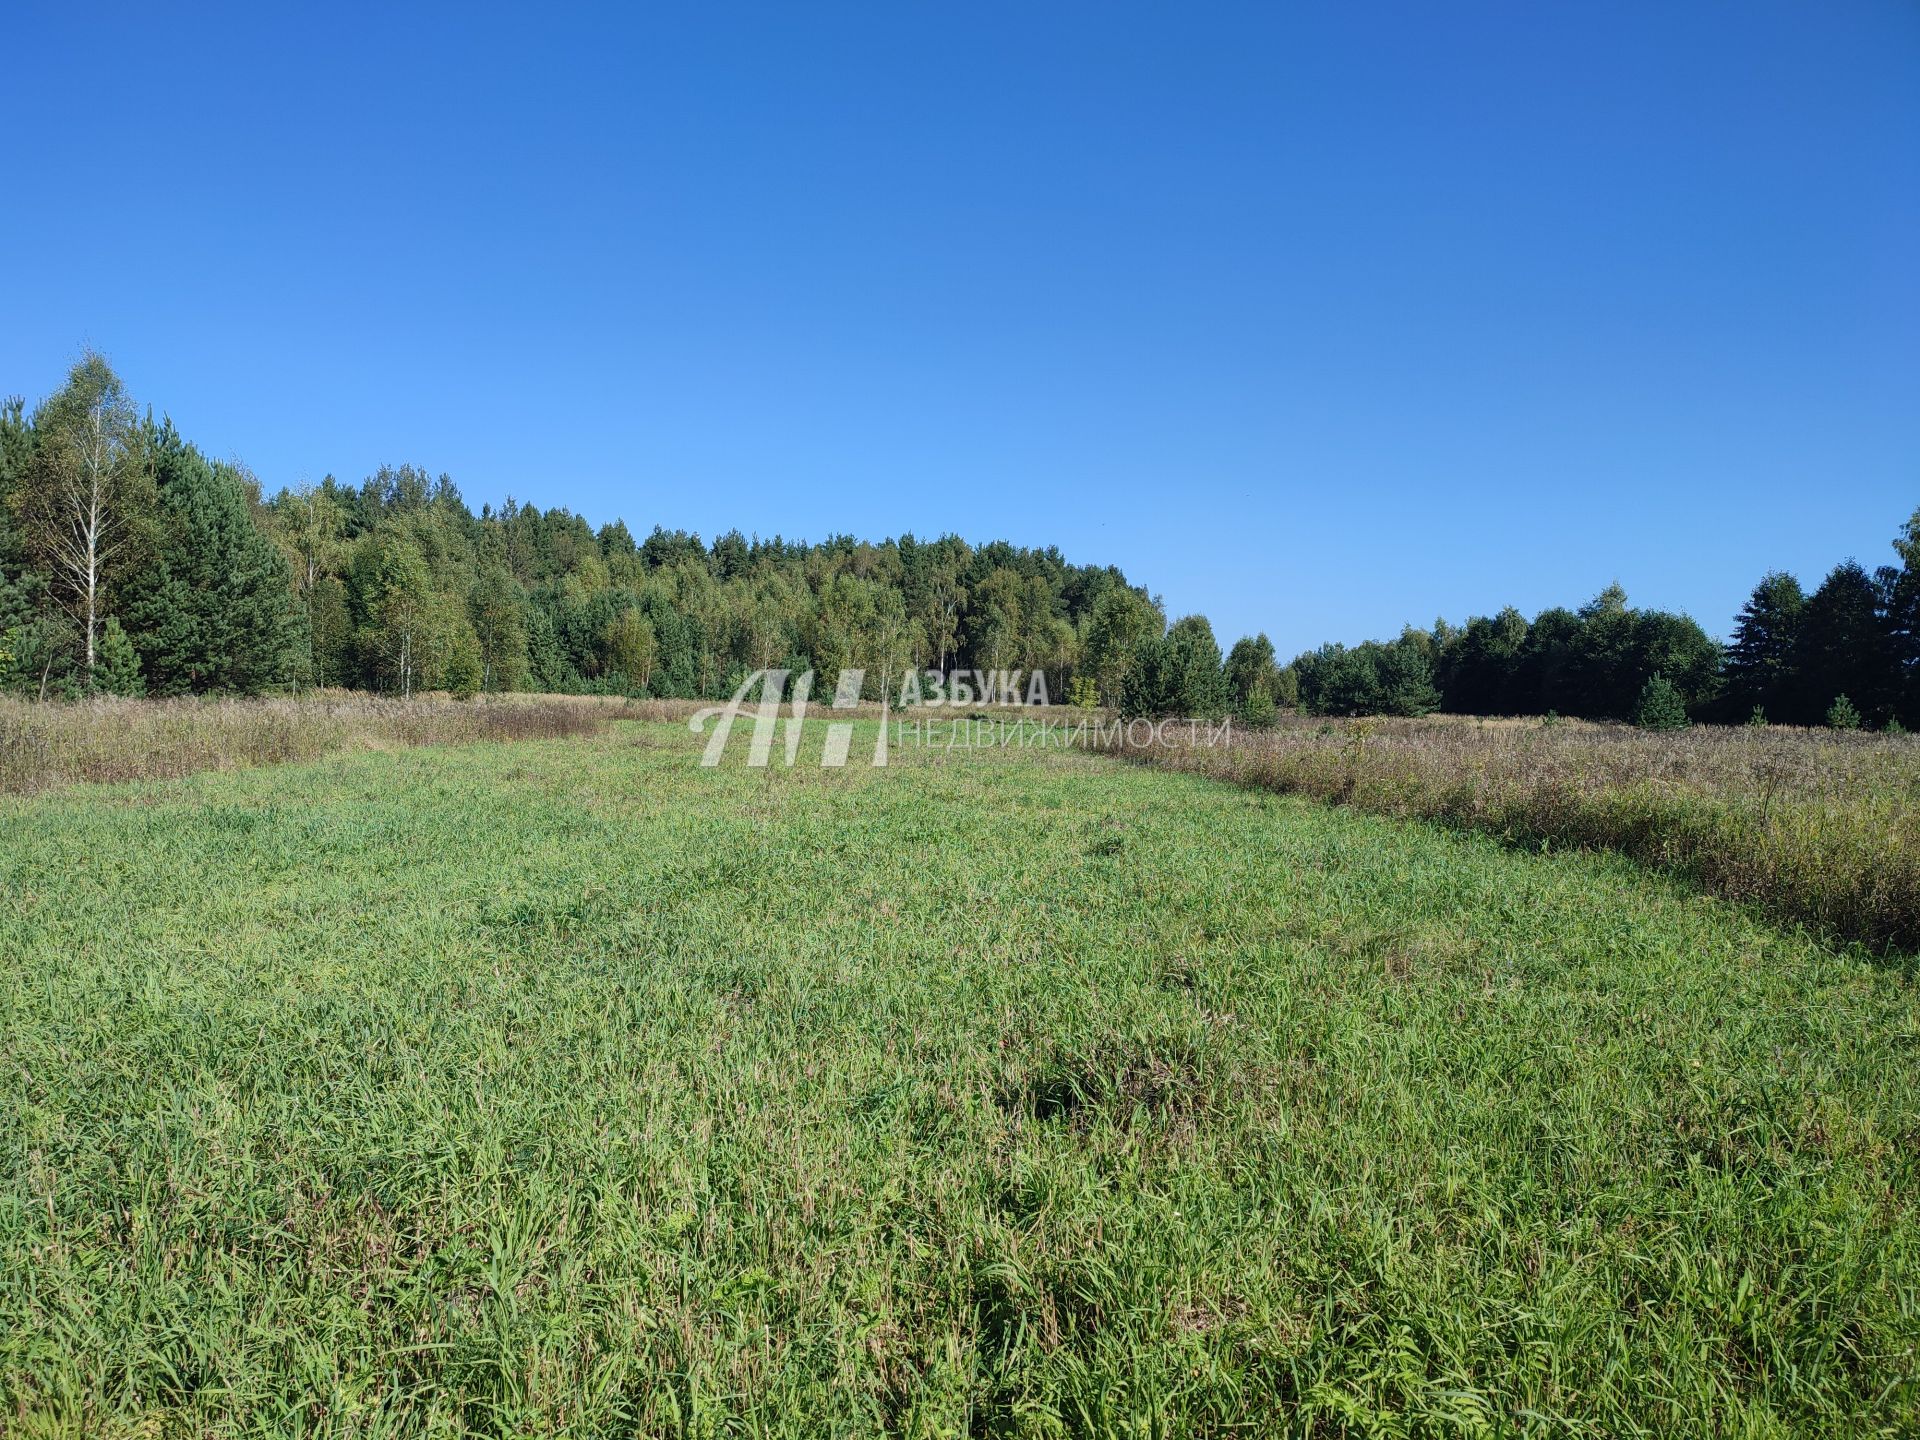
x,y
1820,827
564,1087
105,739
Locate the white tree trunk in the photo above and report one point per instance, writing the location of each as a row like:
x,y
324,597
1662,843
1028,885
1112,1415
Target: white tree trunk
x,y
92,526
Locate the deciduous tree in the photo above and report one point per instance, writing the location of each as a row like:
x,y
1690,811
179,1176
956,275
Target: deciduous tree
x,y
83,490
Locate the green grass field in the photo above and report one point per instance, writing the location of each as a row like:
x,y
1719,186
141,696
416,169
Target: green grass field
x,y
564,1087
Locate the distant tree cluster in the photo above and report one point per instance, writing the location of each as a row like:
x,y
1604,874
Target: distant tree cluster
x,y
132,563
1847,655
129,562
1591,662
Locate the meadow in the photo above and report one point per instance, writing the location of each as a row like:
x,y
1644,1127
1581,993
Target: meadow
x,y
1811,826
105,738
560,1086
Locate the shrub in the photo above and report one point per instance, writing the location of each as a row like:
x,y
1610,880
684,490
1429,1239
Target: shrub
x,y
1660,707
1258,709
1841,715
117,671
463,670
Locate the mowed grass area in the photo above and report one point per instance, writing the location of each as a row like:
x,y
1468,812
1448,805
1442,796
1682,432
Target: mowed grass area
x,y
565,1087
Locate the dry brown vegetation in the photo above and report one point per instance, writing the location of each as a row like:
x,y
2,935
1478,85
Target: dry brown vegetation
x,y
43,745
1816,826
109,739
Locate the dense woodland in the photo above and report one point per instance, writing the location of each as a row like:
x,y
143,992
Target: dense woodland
x,y
1846,655
132,563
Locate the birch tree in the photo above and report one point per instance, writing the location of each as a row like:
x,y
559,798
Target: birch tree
x,y
80,489
630,645
401,639
313,528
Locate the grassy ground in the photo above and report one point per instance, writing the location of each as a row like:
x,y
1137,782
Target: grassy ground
x,y
566,1087
1816,827
45,746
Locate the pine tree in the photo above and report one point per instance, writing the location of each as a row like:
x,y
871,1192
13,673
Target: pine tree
x,y
43,657
1903,622
1404,675
1150,684
1674,646
1199,678
1257,711
1764,651
213,607
116,669
1601,667
1250,672
1841,715
1843,646
546,666
1661,706
20,586
1477,670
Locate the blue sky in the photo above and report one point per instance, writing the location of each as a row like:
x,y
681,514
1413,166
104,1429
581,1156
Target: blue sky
x,y
1315,318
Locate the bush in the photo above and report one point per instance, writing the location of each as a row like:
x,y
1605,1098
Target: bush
x,y
1258,711
117,669
1660,707
463,669
1841,715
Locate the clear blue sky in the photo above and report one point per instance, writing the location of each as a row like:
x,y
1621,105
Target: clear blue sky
x,y
1315,318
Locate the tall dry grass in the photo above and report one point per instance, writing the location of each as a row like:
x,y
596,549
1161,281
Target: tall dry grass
x,y
1812,826
44,745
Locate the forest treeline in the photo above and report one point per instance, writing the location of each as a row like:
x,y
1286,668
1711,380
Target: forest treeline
x,y
133,563
1847,655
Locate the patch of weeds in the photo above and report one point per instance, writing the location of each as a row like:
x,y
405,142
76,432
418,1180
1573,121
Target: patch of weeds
x,y
1116,1081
